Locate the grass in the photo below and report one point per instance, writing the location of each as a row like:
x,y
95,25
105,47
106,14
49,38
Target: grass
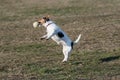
x,y
23,56
35,63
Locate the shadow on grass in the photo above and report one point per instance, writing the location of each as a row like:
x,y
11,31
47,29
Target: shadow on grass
x,y
107,59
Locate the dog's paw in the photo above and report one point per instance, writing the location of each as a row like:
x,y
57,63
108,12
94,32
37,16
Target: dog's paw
x,y
42,38
64,61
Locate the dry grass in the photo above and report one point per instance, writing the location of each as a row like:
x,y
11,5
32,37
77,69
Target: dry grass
x,y
23,56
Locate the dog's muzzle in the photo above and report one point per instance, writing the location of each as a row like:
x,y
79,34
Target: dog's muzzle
x,y
36,24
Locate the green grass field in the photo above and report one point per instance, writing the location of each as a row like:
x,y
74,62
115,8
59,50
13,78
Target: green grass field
x,y
23,56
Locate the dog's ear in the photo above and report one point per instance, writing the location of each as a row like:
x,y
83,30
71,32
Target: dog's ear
x,y
46,18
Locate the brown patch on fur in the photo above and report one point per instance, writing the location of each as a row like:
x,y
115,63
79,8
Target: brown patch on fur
x,y
44,19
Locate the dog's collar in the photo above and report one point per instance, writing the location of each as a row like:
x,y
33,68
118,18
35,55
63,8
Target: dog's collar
x,y
48,24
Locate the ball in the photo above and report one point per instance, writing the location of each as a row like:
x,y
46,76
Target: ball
x,y
35,24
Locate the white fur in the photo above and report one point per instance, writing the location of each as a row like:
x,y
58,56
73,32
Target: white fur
x,y
52,32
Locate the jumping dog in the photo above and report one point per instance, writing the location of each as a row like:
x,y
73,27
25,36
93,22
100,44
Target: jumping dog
x,y
58,35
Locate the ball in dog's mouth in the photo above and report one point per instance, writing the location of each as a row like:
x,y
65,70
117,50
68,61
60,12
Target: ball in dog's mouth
x,y
36,24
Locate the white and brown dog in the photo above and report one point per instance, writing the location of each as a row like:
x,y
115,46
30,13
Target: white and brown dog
x,y
59,36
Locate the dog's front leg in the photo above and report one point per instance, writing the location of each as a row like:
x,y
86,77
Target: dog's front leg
x,y
43,37
47,36
50,33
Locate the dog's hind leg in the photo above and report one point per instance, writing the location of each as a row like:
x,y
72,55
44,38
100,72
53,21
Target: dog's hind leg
x,y
66,52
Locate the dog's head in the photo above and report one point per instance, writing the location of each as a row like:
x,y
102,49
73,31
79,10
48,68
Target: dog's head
x,y
44,20
41,21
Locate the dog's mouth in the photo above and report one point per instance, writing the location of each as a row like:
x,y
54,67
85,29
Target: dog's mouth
x,y
39,24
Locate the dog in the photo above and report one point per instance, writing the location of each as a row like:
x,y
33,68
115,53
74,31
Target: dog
x,y
58,35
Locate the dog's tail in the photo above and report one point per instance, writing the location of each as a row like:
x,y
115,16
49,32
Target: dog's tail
x,y
77,40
